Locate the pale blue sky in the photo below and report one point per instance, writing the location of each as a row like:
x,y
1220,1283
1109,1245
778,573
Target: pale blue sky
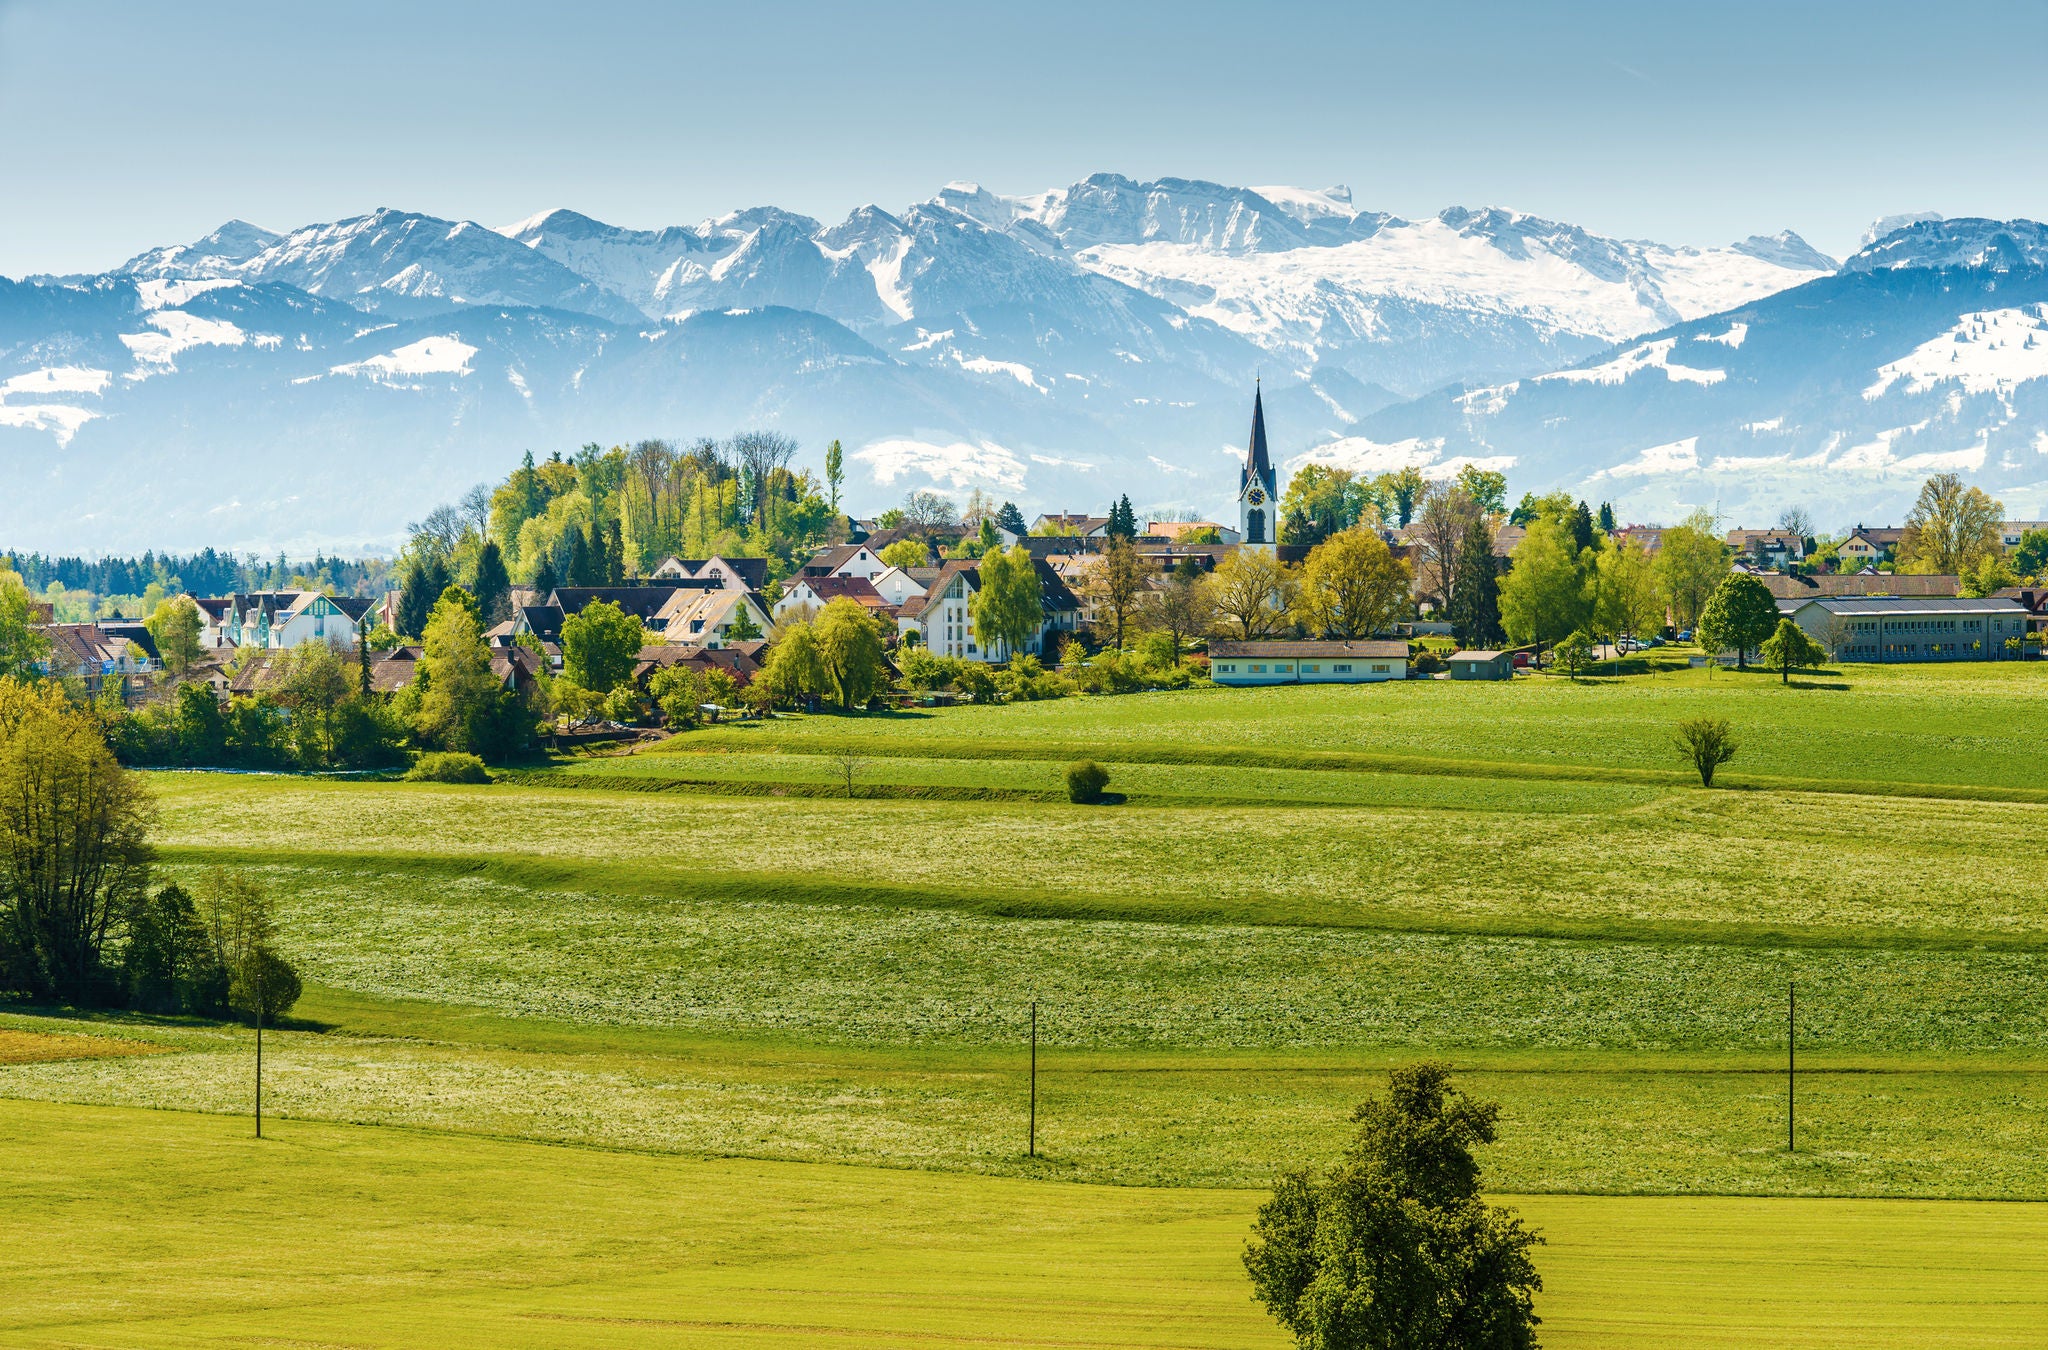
x,y
126,125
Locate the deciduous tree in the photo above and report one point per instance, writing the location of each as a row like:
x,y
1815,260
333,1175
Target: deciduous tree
x,y
1395,1248
1115,584
1790,649
1950,528
175,625
1252,593
1741,614
600,645
906,553
22,647
1544,596
1353,586
849,653
1691,561
1706,744
1007,609
1181,608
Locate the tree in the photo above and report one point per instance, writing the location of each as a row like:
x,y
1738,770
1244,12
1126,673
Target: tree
x,y
906,553
417,594
849,645
22,647
493,584
1741,615
1008,610
1790,649
1395,1248
1626,598
202,730
1447,511
1475,604
1252,594
2030,557
835,470
74,851
175,625
1487,489
1606,521
1320,501
239,919
795,669
1796,520
1181,608
1950,528
1115,584
1581,522
1123,521
927,512
314,686
850,764
1574,652
1991,575
1691,562
600,645
459,701
1401,489
166,962
1544,596
1010,518
1353,586
1706,743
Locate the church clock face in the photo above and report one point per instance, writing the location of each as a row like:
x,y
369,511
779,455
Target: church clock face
x,y
1257,496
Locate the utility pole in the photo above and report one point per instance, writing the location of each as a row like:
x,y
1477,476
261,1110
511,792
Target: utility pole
x,y
1791,1062
259,1064
1031,1147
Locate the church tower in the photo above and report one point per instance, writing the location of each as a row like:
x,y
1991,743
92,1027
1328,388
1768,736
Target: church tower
x,y
1258,497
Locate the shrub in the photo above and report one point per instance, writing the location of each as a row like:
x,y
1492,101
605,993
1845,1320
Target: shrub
x,y
448,767
1085,781
1426,662
1707,744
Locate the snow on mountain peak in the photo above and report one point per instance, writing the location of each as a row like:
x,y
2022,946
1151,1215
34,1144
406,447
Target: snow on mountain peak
x,y
1961,241
1885,225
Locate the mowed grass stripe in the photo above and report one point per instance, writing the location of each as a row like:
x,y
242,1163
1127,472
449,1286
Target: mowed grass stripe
x,y
402,1238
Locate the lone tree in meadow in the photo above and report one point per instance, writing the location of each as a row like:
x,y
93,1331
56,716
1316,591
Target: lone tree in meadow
x,y
1741,615
1706,742
1574,653
1790,649
1394,1248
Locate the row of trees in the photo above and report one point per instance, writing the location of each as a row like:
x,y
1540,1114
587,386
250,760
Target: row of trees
x,y
80,921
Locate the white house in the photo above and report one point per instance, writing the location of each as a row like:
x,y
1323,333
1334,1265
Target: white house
x,y
1361,661
900,585
846,560
944,622
278,619
814,593
706,618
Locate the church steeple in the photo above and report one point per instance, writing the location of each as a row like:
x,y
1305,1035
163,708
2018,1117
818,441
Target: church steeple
x,y
1257,492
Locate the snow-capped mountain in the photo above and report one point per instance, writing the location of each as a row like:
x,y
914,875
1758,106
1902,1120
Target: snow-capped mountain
x,y
319,387
1928,352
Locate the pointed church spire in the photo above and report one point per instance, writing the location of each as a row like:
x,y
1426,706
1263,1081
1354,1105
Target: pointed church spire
x,y
1257,467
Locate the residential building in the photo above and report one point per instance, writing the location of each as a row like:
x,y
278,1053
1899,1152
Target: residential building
x,y
733,573
740,661
1786,586
1911,628
1071,524
1362,661
279,619
845,560
111,653
707,618
901,585
1866,547
814,593
2012,531
943,618
1173,530
1767,548
1651,537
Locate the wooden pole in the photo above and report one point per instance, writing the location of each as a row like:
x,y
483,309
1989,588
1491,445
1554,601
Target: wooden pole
x,y
259,1067
1031,1146
1791,1065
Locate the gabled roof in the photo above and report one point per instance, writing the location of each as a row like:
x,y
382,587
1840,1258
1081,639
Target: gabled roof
x,y
828,589
1906,605
641,601
543,621
1856,583
737,660
1374,649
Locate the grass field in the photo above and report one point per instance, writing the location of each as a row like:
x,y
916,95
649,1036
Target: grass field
x,y
329,1235
708,952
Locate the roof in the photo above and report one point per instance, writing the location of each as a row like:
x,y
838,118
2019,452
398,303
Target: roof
x,y
1907,604
1479,655
81,645
543,621
1856,583
829,589
1376,649
829,560
1883,535
737,661
643,601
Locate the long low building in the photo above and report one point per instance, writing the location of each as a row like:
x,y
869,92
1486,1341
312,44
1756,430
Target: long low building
x,y
1363,661
1911,628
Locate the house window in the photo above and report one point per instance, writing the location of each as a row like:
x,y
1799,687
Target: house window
x,y
1379,670
1258,670
1311,668
1228,668
1341,670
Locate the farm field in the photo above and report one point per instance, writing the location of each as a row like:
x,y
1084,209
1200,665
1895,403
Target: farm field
x,y
325,1234
705,958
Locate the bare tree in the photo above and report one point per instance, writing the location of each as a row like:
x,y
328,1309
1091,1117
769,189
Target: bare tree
x,y
1447,511
476,505
850,765
1796,520
1115,584
440,532
926,511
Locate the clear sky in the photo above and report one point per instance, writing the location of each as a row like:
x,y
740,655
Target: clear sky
x,y
127,125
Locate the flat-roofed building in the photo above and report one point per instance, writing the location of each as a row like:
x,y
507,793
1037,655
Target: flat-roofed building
x,y
1889,628
1361,661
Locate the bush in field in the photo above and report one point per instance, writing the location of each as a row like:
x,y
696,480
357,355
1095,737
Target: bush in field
x,y
449,767
1394,1247
1706,742
1085,781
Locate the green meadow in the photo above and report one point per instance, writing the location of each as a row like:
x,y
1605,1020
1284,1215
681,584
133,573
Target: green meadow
x,y
792,1024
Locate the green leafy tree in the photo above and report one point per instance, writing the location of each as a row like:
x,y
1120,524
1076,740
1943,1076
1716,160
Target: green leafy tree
x,y
239,919
600,645
1950,528
167,962
22,647
1395,1248
1252,594
459,702
1991,575
1789,649
424,581
1181,610
1115,584
795,668
1353,586
2030,556
1741,614
1007,609
1581,521
175,625
1487,489
74,850
493,584
1544,597
1706,744
1691,562
315,684
1321,501
835,470
201,726
1626,597
1401,490
849,643
1475,604
906,553
1574,653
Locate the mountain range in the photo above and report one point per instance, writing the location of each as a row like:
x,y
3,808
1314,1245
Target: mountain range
x,y
319,387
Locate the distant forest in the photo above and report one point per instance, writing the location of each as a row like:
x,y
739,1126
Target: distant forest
x,y
83,589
